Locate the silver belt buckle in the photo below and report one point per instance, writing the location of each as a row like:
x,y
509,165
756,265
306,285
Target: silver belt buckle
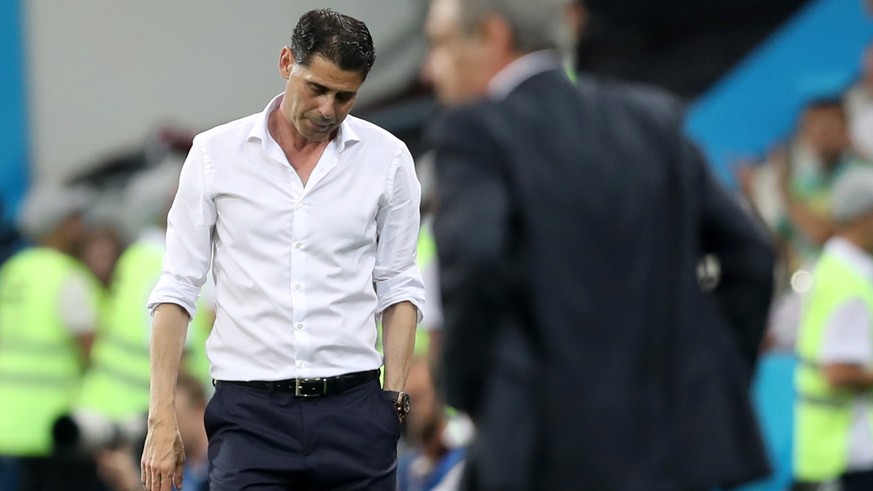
x,y
298,385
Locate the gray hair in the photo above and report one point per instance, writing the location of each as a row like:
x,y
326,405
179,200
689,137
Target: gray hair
x,y
47,205
536,24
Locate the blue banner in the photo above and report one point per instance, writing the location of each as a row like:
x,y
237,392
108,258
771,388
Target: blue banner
x,y
13,108
817,53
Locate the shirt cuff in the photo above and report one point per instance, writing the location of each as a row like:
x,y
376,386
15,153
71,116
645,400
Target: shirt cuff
x,y
173,290
406,286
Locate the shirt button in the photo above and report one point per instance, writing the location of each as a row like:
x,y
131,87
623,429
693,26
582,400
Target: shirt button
x,y
298,245
299,327
298,286
299,363
300,205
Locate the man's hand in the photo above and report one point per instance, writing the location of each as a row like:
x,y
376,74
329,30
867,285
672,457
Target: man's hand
x,y
163,455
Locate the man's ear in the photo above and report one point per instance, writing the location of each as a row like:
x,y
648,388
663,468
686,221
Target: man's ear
x,y
496,33
286,62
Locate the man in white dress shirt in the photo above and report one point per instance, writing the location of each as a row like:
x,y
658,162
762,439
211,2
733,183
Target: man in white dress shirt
x,y
309,218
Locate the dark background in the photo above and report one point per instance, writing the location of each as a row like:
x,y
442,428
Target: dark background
x,y
681,45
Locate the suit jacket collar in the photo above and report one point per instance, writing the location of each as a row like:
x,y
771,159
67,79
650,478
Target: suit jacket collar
x,y
521,70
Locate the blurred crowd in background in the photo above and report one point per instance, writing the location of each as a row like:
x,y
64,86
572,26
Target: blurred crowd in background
x,y
83,255
792,192
790,189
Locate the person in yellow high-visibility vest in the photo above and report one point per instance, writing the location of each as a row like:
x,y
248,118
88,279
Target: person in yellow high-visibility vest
x,y
116,385
48,312
834,379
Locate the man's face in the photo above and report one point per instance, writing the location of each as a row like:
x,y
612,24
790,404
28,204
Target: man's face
x,y
825,131
318,97
456,60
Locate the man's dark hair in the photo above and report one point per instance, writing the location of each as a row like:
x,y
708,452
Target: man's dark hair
x,y
343,40
826,103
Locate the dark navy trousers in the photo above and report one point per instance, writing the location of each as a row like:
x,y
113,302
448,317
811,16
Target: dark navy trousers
x,y
266,441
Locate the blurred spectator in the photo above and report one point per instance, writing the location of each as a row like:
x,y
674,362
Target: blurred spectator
x,y
805,177
431,463
48,311
119,467
101,250
796,178
791,192
833,440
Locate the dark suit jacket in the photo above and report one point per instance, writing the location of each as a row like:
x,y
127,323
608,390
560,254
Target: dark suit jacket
x,y
570,225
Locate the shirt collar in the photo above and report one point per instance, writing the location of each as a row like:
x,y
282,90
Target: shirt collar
x,y
521,69
345,137
858,258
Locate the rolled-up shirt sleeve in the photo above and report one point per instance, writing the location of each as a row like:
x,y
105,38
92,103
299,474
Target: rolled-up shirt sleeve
x,y
396,275
190,226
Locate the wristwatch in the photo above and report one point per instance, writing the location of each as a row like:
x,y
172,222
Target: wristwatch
x,y
400,400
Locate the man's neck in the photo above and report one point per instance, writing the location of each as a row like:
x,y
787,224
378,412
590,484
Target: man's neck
x,y
289,139
302,154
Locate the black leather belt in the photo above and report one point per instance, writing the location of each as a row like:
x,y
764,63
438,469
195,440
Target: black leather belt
x,y
310,387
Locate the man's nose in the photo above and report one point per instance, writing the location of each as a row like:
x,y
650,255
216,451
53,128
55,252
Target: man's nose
x,y
327,108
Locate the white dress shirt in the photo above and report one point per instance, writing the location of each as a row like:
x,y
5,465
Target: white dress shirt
x,y
78,303
301,272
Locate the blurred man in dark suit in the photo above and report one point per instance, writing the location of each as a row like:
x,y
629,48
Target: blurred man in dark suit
x,y
572,218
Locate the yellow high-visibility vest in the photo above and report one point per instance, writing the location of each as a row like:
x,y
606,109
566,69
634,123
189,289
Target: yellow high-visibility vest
x,y
40,363
823,414
117,382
